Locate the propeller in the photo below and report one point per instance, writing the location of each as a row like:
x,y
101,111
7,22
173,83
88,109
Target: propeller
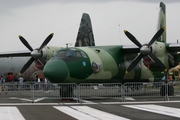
x,y
145,50
35,53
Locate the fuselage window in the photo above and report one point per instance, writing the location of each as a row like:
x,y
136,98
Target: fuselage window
x,y
83,54
55,54
70,53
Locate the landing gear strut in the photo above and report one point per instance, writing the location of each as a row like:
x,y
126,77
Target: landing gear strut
x,y
167,90
66,91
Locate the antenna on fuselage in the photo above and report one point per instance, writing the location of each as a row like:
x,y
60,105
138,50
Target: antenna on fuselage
x,y
66,45
177,41
70,44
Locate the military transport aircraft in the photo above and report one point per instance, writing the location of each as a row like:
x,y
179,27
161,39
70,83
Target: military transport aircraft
x,y
118,63
29,67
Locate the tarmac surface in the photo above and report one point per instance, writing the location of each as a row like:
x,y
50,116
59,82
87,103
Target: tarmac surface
x,y
13,108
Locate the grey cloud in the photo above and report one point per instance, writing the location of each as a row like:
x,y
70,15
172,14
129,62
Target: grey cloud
x,y
158,1
7,6
21,3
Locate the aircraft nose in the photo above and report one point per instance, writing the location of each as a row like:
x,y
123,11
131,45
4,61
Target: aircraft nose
x,y
55,70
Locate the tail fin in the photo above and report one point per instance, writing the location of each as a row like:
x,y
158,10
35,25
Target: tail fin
x,y
162,22
85,35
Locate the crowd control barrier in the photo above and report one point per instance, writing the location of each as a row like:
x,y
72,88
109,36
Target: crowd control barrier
x,y
35,91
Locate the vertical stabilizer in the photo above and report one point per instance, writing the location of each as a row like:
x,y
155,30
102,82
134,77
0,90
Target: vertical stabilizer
x,y
162,21
85,35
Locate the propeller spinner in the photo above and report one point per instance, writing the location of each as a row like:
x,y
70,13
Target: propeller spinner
x,y
35,53
145,50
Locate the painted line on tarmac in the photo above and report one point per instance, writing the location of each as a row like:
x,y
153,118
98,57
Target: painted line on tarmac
x,y
15,98
29,100
88,102
129,98
149,102
169,111
88,113
39,99
120,103
10,113
22,104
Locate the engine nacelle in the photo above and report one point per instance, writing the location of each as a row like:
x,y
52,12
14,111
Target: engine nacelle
x,y
45,54
147,60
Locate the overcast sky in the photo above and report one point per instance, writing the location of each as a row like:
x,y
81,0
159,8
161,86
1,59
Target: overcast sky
x,y
35,20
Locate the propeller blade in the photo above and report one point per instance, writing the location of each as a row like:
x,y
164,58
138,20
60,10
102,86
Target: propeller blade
x,y
42,61
156,36
157,61
132,38
46,41
134,63
25,43
26,66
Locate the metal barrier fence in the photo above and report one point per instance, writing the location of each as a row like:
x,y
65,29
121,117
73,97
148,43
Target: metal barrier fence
x,y
34,91
99,91
140,89
175,90
11,90
53,91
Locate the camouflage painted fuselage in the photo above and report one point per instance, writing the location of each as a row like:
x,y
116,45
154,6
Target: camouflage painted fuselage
x,y
102,64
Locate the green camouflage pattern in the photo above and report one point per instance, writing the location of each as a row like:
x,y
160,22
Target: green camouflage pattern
x,y
112,66
107,64
49,52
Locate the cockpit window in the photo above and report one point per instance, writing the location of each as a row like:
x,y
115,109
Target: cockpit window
x,y
70,53
61,53
55,54
83,54
78,54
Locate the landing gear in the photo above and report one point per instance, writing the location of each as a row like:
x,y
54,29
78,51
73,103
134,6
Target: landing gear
x,y
66,92
167,90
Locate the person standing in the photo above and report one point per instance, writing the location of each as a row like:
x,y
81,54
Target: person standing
x,y
2,79
10,77
21,79
45,83
39,83
2,86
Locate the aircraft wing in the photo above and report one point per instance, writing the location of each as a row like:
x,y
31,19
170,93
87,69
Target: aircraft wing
x,y
130,49
24,53
173,47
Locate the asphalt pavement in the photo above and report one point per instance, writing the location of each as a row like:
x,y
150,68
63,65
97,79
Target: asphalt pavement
x,y
90,109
